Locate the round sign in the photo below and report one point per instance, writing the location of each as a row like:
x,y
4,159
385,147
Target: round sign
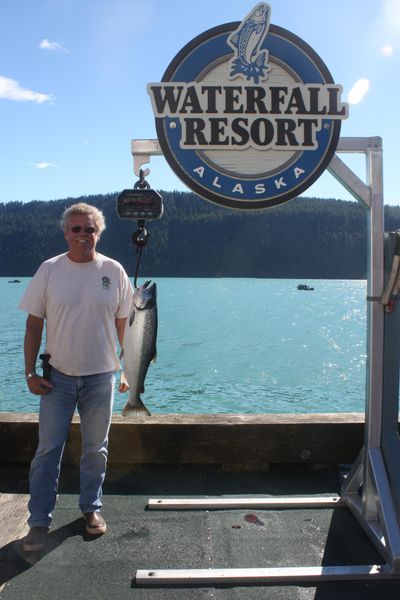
x,y
247,119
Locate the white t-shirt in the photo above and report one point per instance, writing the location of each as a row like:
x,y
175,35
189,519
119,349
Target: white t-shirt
x,y
80,302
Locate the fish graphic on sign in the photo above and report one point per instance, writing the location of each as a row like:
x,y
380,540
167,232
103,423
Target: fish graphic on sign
x,y
249,61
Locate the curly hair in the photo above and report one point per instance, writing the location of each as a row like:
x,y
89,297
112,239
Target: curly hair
x,y
83,209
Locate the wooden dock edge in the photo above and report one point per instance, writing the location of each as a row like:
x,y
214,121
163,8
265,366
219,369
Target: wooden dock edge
x,y
234,440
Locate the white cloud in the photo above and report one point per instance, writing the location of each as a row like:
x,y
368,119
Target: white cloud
x,y
389,26
11,90
358,91
44,165
52,46
387,50
391,12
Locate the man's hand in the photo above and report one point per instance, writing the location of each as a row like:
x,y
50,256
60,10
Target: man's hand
x,y
38,385
123,384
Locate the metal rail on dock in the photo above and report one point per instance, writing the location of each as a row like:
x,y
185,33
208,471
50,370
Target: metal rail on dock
x,y
235,503
205,577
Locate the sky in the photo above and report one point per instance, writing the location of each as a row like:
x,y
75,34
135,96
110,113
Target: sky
x,y
73,76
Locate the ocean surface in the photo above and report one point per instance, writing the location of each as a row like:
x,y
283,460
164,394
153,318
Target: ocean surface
x,y
231,346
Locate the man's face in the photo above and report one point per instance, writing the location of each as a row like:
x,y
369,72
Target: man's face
x,y
81,237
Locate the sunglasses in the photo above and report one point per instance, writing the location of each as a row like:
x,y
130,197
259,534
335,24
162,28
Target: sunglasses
x,y
78,229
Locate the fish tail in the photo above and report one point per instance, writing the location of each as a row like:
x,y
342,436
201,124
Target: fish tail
x,y
254,71
237,67
135,410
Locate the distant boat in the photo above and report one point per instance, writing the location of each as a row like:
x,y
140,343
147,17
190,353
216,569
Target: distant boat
x,y
14,281
305,287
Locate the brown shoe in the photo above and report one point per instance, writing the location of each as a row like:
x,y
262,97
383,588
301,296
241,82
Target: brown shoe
x,y
95,523
35,539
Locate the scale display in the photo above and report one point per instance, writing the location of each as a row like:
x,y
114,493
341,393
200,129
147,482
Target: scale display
x,y
139,204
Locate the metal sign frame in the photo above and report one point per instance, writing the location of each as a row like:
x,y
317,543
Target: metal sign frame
x,y
372,488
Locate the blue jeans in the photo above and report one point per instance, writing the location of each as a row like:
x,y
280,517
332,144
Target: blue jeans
x,y
93,396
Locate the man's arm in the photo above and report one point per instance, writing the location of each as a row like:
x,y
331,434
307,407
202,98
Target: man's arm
x,y
120,327
33,338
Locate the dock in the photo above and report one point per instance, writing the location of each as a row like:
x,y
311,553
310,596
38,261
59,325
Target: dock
x,y
202,458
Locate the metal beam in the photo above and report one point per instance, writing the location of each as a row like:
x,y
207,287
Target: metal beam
x,y
141,151
235,503
350,181
387,514
205,577
360,145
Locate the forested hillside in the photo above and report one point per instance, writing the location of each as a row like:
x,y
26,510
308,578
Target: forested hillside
x,y
305,238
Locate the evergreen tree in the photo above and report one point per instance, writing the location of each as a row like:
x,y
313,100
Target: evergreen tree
x,y
304,238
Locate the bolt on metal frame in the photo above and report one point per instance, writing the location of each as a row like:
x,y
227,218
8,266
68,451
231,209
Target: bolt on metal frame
x,y
372,488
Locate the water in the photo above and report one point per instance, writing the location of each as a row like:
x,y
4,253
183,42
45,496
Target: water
x,y
232,346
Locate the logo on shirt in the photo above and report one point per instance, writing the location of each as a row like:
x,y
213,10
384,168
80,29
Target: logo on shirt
x,y
106,282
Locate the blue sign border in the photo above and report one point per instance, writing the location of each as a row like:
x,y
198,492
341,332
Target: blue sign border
x,y
188,65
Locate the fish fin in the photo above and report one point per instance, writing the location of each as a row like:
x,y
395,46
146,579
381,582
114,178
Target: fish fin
x,y
131,318
121,354
262,60
139,410
234,39
153,360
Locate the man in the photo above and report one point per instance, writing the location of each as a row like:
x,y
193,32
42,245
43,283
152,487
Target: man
x,y
84,298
